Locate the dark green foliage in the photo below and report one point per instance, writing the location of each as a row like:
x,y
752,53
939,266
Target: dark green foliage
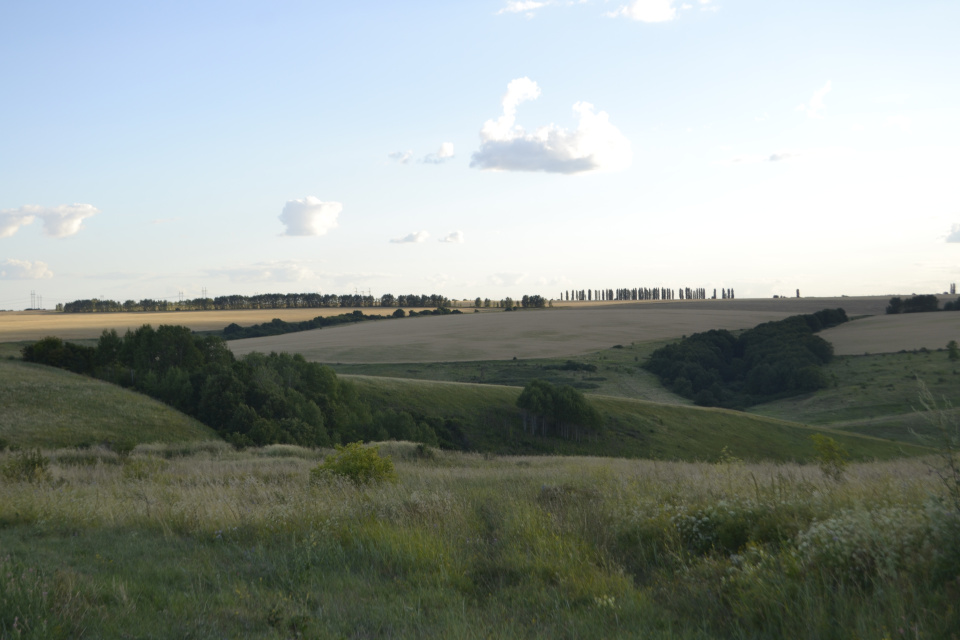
x,y
278,327
774,359
256,400
558,411
915,304
952,306
259,301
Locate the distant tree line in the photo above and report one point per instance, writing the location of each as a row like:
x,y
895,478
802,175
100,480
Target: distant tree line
x,y
920,304
255,399
560,411
259,301
641,293
772,360
278,327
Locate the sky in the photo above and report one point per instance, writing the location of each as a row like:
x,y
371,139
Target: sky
x,y
485,148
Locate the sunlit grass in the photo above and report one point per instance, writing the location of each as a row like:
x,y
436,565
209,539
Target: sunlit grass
x,y
211,542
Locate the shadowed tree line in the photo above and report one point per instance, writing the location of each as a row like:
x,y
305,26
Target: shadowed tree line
x,y
258,301
278,327
772,360
255,399
920,304
643,293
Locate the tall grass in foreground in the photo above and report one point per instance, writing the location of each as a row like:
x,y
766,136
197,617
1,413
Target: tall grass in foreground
x,y
209,542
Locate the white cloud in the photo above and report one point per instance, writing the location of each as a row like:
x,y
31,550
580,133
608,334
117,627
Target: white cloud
x,y
12,219
286,271
595,145
647,11
455,237
954,234
444,153
59,222
523,6
310,216
416,236
403,157
815,105
12,269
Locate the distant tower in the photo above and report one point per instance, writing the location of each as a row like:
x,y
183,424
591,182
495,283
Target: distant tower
x,y
798,293
953,288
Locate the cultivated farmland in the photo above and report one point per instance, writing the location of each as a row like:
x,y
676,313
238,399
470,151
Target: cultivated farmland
x,y
548,333
34,325
900,332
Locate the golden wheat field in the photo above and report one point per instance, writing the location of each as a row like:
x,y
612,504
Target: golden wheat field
x,y
502,336
33,325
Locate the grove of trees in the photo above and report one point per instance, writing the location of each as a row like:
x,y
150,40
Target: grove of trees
x,y
774,359
560,411
259,301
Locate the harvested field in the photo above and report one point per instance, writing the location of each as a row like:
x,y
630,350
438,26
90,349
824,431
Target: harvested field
x,y
33,325
889,334
546,333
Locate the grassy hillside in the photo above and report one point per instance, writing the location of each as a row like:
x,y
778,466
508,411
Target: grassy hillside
x,y
490,421
46,407
874,394
242,545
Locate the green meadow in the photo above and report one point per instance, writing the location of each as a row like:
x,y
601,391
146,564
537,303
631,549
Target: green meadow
x,y
120,517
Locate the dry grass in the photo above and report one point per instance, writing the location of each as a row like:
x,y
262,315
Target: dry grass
x,y
501,336
33,325
888,334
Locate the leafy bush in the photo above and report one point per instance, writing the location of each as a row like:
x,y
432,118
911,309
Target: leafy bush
x,y
25,465
831,456
357,463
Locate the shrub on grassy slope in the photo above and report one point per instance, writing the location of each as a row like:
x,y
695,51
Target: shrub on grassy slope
x,y
357,463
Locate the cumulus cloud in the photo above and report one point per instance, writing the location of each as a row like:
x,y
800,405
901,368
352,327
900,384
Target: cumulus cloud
x,y
403,157
595,145
310,216
442,155
12,269
416,236
815,105
12,219
58,222
455,237
954,234
283,271
647,11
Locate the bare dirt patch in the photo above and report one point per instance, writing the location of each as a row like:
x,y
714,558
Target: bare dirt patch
x,y
889,334
33,325
501,336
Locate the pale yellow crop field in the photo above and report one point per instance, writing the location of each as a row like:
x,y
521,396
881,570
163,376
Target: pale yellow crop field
x,y
33,325
889,334
498,336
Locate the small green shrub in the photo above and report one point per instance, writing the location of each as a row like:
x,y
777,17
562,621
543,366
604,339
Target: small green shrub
x,y
357,463
25,465
831,456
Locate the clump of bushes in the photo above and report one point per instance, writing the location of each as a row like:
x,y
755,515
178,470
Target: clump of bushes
x,y
356,463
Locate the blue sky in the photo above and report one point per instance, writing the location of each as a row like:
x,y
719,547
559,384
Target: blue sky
x,y
477,148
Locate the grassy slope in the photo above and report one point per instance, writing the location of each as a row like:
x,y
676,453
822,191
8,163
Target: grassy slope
x,y
874,394
636,428
45,407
